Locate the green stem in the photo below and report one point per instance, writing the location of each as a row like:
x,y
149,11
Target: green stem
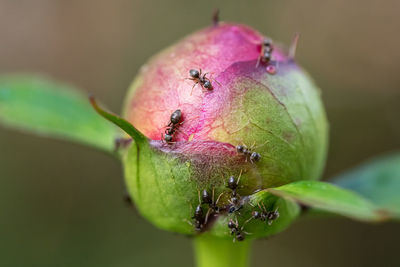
x,y
218,252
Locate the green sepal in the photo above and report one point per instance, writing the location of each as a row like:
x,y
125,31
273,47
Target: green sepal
x,y
120,122
330,198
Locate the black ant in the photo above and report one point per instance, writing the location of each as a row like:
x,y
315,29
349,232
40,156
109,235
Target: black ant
x,y
201,79
198,218
253,156
266,52
235,198
264,215
235,231
172,127
207,199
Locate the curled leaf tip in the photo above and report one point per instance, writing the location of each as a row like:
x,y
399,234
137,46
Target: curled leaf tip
x,y
293,46
118,121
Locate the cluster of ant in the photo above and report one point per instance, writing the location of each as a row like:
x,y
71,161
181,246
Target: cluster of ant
x,y
198,77
236,204
200,220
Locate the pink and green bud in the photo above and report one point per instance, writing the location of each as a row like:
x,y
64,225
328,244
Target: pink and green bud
x,y
270,106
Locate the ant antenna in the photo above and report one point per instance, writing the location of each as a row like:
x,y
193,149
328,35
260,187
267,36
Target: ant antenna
x,y
198,193
239,177
220,195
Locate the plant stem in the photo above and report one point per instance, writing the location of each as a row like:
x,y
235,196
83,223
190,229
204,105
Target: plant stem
x,y
218,252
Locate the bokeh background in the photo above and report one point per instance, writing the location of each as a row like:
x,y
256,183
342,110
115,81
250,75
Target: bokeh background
x,y
61,204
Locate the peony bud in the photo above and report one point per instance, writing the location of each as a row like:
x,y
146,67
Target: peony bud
x,y
256,98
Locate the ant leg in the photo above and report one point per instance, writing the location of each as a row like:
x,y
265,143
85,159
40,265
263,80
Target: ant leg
x,y
189,222
258,61
258,204
198,193
220,195
237,183
207,215
191,92
262,203
247,221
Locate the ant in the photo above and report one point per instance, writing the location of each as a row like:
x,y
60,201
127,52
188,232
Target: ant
x,y
207,199
235,198
253,156
198,218
264,215
201,79
235,231
172,127
266,52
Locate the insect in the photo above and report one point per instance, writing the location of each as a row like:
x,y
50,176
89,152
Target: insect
x,y
199,78
235,200
248,153
198,218
206,198
266,52
238,234
172,127
264,215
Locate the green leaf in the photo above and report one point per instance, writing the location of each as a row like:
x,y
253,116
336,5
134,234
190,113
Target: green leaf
x,y
120,122
330,198
48,108
377,180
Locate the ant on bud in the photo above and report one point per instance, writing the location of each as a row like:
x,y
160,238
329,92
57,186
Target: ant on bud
x,y
207,199
172,127
264,215
266,52
235,198
248,153
198,218
201,79
238,234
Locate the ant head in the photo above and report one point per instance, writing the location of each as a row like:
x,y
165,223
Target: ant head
x,y
198,212
168,138
205,197
267,42
231,224
232,183
208,85
255,214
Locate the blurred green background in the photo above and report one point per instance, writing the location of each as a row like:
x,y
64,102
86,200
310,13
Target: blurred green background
x,y
61,204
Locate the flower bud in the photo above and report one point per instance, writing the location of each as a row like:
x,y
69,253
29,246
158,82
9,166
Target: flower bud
x,y
259,120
